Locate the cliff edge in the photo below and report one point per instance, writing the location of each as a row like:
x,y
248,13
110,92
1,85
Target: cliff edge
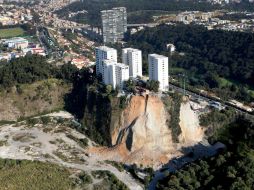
x,y
142,134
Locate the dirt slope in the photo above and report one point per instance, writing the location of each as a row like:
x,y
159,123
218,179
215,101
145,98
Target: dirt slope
x,y
32,99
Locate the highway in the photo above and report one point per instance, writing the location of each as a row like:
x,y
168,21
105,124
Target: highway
x,y
144,24
210,99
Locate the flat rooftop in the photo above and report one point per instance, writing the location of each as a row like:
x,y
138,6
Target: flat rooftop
x,y
157,56
16,39
105,48
108,62
124,66
131,49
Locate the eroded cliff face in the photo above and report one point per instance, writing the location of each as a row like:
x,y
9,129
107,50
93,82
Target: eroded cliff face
x,y
141,134
143,125
189,123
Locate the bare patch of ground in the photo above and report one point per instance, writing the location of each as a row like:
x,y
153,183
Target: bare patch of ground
x,y
55,142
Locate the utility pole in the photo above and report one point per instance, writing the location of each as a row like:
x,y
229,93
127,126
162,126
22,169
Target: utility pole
x,y
184,90
183,83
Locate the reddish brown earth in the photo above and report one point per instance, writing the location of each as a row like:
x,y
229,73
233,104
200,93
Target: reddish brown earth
x,y
142,135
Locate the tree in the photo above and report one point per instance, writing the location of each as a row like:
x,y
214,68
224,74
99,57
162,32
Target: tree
x,y
130,85
153,85
108,89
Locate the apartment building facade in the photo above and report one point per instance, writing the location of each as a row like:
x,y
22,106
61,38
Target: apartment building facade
x,y
114,24
115,74
133,58
158,70
104,53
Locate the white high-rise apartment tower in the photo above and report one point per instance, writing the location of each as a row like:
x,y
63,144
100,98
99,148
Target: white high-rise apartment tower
x,y
133,58
102,53
108,75
158,70
122,74
115,74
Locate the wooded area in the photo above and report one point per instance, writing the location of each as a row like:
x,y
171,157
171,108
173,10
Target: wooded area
x,y
232,169
142,11
207,56
33,68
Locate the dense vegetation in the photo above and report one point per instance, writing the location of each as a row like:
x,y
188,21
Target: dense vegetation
x,y
173,104
25,70
233,169
236,16
32,68
17,174
95,105
216,119
30,175
245,5
110,181
212,58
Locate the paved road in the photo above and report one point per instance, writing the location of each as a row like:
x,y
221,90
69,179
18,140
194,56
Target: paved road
x,y
200,150
145,24
210,99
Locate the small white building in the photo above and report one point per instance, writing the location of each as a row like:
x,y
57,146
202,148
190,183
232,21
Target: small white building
x,y
158,70
133,58
171,48
104,53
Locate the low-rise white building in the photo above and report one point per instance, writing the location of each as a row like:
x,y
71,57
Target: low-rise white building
x,y
17,43
158,70
133,58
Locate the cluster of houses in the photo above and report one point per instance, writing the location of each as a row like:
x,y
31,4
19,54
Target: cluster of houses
x,y
81,62
11,15
19,47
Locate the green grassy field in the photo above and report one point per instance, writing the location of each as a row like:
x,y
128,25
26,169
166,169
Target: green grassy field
x,y
35,175
225,82
11,32
176,70
252,93
28,175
